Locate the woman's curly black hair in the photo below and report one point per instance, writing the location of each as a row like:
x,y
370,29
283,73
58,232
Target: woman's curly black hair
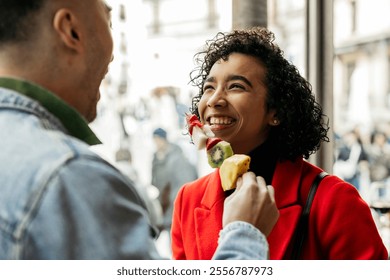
x,y
302,126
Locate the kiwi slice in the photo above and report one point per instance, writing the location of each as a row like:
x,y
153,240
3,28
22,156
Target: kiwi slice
x,y
218,153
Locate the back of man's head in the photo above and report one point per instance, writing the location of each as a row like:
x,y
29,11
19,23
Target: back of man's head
x,y
64,46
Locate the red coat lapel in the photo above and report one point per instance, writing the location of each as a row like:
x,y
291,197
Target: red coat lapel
x,y
208,217
286,181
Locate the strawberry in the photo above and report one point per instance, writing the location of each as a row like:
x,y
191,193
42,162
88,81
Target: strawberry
x,y
210,142
192,120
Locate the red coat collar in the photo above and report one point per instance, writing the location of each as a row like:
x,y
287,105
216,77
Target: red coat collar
x,y
213,192
208,218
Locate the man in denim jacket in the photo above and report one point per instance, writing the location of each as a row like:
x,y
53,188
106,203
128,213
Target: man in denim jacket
x,y
58,199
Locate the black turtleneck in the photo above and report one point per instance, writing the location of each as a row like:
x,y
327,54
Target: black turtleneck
x,y
263,161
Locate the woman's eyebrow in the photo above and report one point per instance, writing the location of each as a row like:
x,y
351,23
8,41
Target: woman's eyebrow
x,y
231,78
210,79
240,78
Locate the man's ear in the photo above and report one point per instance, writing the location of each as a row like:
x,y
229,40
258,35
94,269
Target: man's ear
x,y
66,25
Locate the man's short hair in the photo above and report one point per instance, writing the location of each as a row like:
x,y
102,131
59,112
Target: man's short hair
x,y
16,21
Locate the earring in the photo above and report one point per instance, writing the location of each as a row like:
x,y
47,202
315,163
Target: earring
x,y
276,121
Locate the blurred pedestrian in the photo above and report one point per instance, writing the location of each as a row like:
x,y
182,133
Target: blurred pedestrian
x,y
351,159
379,157
170,170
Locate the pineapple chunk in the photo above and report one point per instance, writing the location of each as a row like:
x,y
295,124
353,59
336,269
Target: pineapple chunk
x,y
232,168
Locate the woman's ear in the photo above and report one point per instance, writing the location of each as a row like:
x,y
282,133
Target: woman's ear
x,y
273,120
66,25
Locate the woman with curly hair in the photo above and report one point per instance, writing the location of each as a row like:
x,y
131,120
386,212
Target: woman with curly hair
x,y
252,97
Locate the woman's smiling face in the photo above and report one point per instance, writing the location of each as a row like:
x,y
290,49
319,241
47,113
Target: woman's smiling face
x,y
234,102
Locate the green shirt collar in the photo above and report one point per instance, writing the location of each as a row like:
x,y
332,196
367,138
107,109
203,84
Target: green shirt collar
x,y
69,117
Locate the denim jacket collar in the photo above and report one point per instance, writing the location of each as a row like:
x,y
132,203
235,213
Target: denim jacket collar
x,y
74,123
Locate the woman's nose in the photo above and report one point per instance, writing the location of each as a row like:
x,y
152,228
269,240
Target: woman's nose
x,y
217,99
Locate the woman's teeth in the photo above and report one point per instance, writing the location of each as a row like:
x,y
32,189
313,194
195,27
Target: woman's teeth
x,y
219,120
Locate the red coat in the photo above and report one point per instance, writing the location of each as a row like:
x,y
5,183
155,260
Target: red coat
x,y
340,227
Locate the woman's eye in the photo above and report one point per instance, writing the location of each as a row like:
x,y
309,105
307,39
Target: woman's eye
x,y
237,86
207,87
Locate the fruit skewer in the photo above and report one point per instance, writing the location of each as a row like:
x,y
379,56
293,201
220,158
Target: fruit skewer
x,y
219,152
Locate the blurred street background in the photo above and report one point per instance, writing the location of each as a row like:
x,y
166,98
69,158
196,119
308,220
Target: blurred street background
x,y
341,46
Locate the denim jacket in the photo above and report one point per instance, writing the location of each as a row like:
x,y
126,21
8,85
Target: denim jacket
x,y
59,200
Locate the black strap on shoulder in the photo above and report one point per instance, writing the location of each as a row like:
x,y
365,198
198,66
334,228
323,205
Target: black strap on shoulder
x,y
303,225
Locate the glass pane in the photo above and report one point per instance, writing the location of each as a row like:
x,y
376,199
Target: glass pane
x,y
361,90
